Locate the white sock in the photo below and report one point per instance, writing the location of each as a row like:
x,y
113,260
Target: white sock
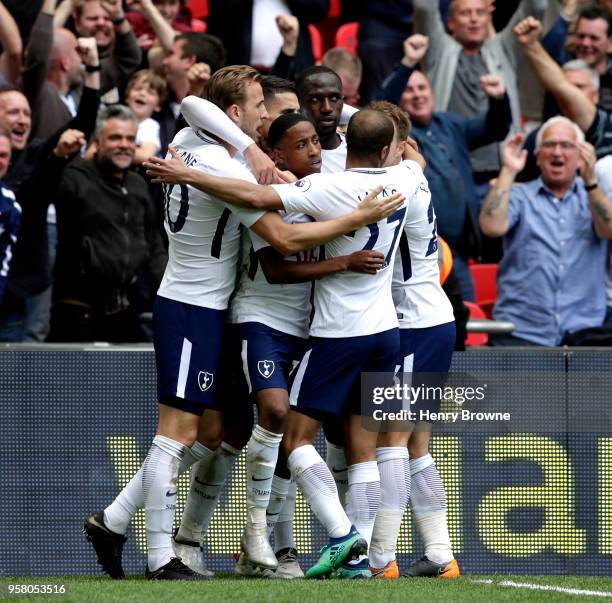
x,y
160,485
119,513
317,485
283,530
207,479
394,472
428,502
363,497
196,453
261,457
278,496
336,461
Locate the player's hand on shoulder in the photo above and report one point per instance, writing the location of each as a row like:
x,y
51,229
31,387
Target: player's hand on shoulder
x,y
365,261
285,177
261,165
374,208
411,152
167,171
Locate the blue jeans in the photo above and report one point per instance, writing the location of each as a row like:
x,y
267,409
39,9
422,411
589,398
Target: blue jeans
x,y
38,307
11,326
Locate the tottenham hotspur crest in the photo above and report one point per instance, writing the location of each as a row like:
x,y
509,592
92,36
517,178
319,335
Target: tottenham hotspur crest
x,y
265,368
205,380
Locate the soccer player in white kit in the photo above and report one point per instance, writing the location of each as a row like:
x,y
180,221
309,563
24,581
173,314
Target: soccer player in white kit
x,y
189,318
427,340
354,327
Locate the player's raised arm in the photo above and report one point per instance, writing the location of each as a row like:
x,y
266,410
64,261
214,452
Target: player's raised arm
x,y
288,239
231,190
200,113
281,271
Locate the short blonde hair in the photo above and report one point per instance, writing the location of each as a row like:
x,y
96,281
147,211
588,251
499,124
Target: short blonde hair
x,y
398,116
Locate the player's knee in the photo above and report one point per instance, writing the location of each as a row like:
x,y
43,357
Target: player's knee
x,y
273,416
211,429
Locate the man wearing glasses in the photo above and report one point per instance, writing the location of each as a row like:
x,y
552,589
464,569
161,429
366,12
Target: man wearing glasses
x,y
551,277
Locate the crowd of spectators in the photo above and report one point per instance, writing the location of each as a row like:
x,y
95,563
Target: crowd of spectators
x,y
510,105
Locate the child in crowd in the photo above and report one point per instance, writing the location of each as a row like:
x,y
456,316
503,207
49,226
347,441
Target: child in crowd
x,y
145,94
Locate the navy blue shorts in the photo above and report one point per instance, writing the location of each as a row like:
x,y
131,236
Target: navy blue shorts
x,y
427,354
267,355
328,378
255,357
187,342
428,350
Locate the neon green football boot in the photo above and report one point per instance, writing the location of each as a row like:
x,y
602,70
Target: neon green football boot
x,y
336,552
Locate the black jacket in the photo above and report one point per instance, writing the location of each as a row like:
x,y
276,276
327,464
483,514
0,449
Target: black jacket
x,y
106,235
35,175
231,21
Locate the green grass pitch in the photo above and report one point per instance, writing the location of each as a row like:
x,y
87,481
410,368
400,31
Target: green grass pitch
x,y
238,590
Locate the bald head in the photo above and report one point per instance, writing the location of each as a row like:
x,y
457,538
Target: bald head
x,y
369,136
65,66
63,41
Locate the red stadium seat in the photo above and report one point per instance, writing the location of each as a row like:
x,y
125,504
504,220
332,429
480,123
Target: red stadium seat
x,y
485,280
198,8
346,36
475,339
316,39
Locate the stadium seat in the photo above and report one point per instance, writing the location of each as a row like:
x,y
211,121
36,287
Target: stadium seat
x,y
346,36
198,8
485,281
316,39
475,339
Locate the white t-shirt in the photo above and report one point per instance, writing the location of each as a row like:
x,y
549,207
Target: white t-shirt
x,y
419,298
203,232
266,40
348,304
334,161
286,307
148,131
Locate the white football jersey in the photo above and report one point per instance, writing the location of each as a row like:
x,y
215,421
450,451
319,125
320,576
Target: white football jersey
x,y
419,298
349,304
335,160
203,232
285,307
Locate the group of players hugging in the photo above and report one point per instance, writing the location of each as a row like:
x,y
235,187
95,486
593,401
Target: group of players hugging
x,y
271,206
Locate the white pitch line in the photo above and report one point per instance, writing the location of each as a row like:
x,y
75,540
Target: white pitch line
x,y
558,589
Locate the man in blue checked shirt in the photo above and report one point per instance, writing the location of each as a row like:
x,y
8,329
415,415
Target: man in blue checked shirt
x,y
10,212
551,278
